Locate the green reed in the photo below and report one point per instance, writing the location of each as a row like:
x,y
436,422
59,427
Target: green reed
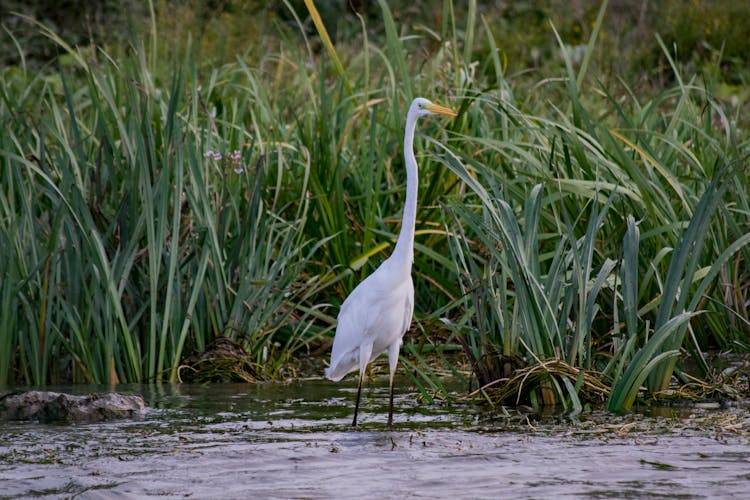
x,y
561,216
135,246
552,277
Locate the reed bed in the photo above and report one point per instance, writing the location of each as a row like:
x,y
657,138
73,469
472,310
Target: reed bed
x,y
573,234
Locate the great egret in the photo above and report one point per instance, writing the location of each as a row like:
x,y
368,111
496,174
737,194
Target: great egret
x,y
376,315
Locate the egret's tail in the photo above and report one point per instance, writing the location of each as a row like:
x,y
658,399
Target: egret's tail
x,y
341,365
333,374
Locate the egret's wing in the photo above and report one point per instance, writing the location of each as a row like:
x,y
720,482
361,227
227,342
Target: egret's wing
x,y
408,308
377,312
355,320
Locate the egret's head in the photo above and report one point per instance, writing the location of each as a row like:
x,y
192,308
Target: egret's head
x,y
423,107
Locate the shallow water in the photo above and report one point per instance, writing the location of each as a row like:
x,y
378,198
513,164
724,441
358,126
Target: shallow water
x,y
295,441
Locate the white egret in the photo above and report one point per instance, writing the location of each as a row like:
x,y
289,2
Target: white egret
x,y
375,316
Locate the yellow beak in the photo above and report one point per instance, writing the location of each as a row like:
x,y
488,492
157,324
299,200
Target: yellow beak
x,y
441,110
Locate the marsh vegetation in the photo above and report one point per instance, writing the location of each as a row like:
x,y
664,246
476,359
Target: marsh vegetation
x,y
230,174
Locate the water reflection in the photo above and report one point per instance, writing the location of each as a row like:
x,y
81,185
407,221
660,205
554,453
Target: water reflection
x,y
294,440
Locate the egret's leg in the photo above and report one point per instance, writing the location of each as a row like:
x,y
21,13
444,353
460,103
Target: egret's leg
x,y
392,362
390,406
359,392
364,357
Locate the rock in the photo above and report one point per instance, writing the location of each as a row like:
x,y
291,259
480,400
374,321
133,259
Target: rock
x,y
46,406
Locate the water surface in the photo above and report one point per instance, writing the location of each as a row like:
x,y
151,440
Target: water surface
x,y
295,441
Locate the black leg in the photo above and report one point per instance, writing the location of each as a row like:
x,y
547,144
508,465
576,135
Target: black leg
x,y
356,405
390,407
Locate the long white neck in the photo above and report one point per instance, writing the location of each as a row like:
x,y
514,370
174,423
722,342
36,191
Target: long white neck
x,y
404,251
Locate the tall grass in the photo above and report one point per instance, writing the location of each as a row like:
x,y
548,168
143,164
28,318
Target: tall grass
x,y
548,272
130,242
551,277
567,225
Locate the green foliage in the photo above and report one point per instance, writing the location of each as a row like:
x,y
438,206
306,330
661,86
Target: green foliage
x,y
131,243
78,22
574,222
696,28
537,293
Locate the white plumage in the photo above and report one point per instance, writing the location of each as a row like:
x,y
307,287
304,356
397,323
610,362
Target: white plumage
x,y
375,316
365,324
